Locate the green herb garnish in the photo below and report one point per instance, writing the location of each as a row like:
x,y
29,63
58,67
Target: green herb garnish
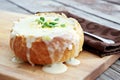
x,y
57,19
53,23
62,25
48,24
42,19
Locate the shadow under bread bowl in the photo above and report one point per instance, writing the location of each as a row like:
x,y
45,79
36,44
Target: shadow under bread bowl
x,y
47,39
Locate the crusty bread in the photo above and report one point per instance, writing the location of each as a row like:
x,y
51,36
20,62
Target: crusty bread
x,y
39,53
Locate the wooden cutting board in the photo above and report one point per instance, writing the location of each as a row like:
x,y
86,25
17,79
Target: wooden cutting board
x,y
91,65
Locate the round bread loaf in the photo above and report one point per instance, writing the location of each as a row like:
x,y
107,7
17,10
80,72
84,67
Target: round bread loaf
x,y
46,38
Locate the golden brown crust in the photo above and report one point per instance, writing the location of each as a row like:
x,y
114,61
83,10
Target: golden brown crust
x,y
38,52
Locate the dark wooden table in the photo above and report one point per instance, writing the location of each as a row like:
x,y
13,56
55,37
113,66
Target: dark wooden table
x,y
106,12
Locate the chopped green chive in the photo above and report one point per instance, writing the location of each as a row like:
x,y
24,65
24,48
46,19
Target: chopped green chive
x,y
44,24
57,19
53,23
62,25
49,24
42,19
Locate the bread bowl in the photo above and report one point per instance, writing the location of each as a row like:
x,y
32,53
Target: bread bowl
x,y
46,38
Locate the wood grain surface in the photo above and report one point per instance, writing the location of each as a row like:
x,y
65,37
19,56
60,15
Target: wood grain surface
x,y
5,5
51,5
